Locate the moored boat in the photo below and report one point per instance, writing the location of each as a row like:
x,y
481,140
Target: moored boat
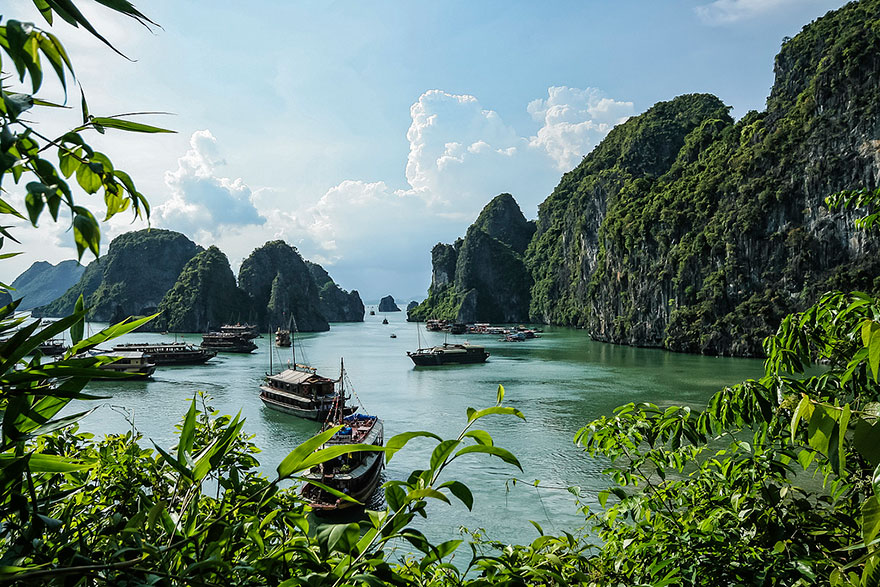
x,y
282,338
300,391
449,353
356,474
136,364
246,331
227,342
53,347
170,353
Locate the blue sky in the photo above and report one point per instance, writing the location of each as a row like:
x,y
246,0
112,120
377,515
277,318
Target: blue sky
x,y
365,132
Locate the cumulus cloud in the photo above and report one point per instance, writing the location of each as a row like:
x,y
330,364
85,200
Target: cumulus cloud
x,y
574,121
722,12
201,201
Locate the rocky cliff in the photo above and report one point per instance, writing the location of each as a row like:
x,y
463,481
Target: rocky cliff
x,y
43,283
131,279
387,304
204,297
5,298
337,305
280,286
688,230
482,278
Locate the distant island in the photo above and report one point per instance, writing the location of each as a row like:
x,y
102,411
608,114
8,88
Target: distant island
x,y
194,290
387,304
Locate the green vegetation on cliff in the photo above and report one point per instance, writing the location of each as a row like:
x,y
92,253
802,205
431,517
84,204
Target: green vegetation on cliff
x,y
281,287
337,305
85,287
482,278
204,297
688,230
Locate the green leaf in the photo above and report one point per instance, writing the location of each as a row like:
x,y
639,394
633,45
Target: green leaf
x,y
77,328
870,519
43,463
499,452
804,410
325,454
187,432
442,452
481,436
500,397
424,492
128,125
843,425
292,463
461,491
398,441
474,415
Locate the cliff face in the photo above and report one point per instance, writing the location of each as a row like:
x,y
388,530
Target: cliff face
x,y
132,278
387,304
687,230
86,286
43,282
482,278
337,305
204,297
280,286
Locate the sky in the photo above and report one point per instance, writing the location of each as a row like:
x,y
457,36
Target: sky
x,y
363,133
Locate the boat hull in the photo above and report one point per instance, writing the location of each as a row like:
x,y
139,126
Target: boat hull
x,y
304,410
437,359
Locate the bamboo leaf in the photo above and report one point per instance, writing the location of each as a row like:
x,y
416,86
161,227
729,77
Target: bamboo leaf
x,y
499,452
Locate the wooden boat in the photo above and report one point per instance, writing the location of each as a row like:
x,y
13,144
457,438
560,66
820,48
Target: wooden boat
x,y
170,353
300,391
282,338
227,342
246,331
53,347
134,363
384,320
449,353
354,474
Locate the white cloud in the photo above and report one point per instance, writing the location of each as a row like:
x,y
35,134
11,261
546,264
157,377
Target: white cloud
x,y
722,12
201,202
574,121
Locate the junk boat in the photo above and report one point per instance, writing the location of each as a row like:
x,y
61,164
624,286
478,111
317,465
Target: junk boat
x,y
170,353
282,338
449,353
134,363
354,474
227,342
53,347
246,331
300,391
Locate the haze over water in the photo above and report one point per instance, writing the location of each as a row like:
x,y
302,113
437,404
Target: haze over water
x,y
560,382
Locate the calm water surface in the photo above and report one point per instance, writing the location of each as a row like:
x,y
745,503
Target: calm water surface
x,y
560,382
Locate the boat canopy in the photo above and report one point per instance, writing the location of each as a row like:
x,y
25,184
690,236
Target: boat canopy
x,y
296,377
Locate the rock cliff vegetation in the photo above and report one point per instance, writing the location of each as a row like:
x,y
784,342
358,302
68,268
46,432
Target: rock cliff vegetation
x,y
43,282
688,230
280,287
337,305
204,297
482,277
131,279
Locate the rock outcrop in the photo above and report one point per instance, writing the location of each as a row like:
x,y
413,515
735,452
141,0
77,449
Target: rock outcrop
x,y
482,278
387,304
411,306
281,288
131,279
5,298
204,297
337,305
43,283
687,230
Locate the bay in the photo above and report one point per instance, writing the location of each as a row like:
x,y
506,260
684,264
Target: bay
x,y
560,381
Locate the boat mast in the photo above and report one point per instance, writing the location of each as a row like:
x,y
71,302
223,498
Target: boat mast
x,y
270,350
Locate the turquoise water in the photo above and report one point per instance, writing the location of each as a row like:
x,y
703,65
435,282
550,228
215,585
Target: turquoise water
x,y
559,381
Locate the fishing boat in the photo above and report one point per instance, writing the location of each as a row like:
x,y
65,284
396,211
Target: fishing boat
x,y
170,353
136,364
384,320
246,331
354,474
282,338
227,342
449,353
